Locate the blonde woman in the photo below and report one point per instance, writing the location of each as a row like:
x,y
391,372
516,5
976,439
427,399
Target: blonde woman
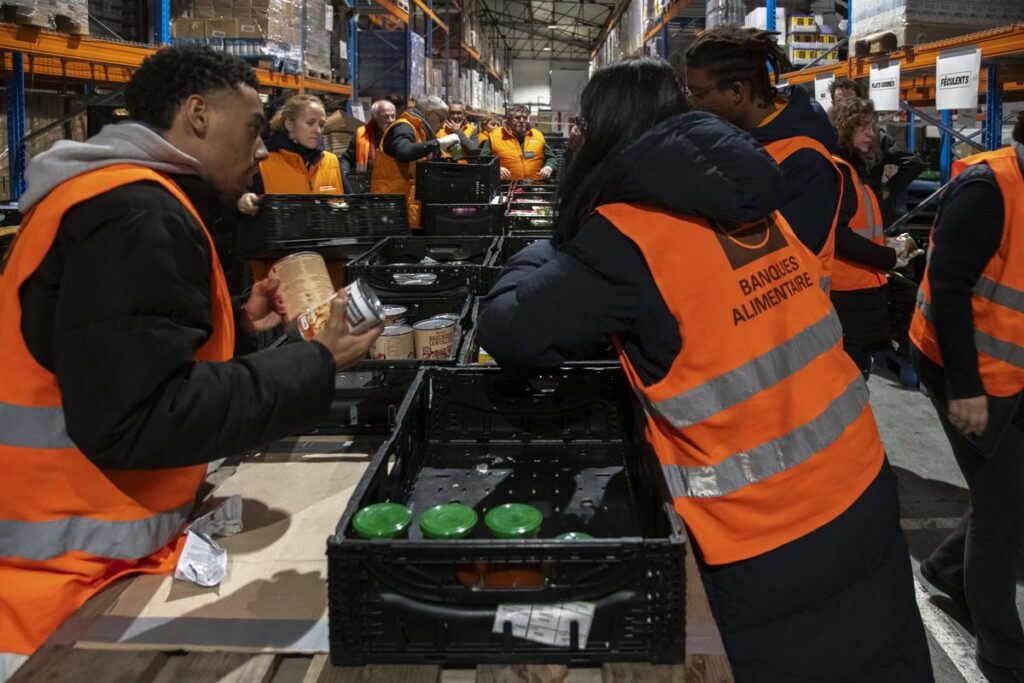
x,y
298,163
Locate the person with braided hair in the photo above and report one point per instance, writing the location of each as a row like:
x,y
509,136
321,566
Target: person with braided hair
x,y
730,71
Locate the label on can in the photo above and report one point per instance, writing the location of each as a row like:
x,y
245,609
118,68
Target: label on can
x,y
305,282
312,320
434,338
364,309
396,342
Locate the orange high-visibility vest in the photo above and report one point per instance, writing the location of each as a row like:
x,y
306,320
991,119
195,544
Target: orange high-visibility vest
x,y
866,222
782,150
285,172
67,527
524,161
762,425
365,149
998,300
391,176
467,129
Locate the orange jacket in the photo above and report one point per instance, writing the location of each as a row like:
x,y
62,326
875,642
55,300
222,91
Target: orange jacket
x,y
365,151
524,161
285,172
391,176
998,300
762,425
67,527
780,151
468,129
867,222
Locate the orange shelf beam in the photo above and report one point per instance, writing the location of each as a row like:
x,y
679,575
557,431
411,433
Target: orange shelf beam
x,y
59,55
475,54
394,10
670,14
432,14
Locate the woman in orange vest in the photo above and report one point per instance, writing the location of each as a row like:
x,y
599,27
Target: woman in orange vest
x,y
298,162
862,256
968,331
111,406
486,126
760,422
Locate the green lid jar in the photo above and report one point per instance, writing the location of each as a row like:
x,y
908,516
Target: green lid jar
x,y
514,520
382,520
574,536
448,521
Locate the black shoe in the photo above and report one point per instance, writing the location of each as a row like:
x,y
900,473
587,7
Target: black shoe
x,y
955,593
1000,674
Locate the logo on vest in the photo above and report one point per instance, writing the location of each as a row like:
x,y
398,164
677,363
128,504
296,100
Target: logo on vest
x,y
745,244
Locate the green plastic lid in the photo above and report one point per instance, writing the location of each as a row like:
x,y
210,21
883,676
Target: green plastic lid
x,y
574,536
514,520
382,520
452,520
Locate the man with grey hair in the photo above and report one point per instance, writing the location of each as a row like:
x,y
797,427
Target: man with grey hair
x,y
519,147
412,138
362,149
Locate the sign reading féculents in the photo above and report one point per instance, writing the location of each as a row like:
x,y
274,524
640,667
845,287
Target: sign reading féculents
x,y
956,78
821,93
885,86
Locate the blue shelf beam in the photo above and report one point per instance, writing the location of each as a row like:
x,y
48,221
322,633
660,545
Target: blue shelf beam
x,y
16,125
770,10
946,155
993,110
162,22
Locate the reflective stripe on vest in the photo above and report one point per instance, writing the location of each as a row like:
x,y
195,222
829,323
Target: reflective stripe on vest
x,y
767,370
999,349
101,538
756,464
33,427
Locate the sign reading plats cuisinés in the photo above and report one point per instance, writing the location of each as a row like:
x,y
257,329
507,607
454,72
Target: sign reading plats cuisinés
x,y
885,86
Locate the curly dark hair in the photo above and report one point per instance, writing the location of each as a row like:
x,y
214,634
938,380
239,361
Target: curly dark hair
x,y
847,116
732,54
844,83
170,76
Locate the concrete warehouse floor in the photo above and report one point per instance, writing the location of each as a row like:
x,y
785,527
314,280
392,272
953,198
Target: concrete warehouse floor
x,y
933,497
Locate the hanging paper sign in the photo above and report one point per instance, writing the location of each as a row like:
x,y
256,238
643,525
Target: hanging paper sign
x,y
885,86
956,78
822,96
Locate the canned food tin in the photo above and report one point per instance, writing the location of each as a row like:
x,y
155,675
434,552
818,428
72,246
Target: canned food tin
x,y
364,309
434,338
454,317
395,315
394,343
305,282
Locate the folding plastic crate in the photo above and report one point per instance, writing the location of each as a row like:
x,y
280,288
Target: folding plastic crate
x,y
294,222
462,219
568,442
397,265
368,395
445,181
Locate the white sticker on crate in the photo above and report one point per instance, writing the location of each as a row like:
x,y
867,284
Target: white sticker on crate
x,y
546,624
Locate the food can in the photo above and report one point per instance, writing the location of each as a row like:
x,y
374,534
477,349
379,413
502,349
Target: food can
x,y
394,343
363,311
454,317
364,308
305,282
434,338
396,315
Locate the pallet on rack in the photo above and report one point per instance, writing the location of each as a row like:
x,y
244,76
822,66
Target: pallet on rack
x,y
33,14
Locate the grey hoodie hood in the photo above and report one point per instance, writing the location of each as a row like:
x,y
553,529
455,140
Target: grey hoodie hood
x,y
120,143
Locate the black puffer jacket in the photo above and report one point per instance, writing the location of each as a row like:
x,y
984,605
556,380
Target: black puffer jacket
x,y
552,305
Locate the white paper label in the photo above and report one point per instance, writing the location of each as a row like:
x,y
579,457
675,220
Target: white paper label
x,y
885,86
957,73
546,624
202,561
328,16
821,93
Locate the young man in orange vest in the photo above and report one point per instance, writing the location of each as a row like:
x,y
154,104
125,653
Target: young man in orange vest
x,y
727,74
117,337
412,138
520,147
362,148
969,334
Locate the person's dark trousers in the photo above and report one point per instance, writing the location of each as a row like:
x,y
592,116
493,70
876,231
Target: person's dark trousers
x,y
861,358
983,554
835,605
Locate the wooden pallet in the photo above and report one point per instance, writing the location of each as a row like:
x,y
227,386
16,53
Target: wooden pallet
x,y
319,75
30,16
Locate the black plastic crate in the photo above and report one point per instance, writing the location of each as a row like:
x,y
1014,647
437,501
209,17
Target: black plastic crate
x,y
446,181
462,219
569,442
294,222
395,265
539,225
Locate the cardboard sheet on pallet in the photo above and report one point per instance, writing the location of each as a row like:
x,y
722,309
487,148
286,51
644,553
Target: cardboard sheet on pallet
x,y
274,596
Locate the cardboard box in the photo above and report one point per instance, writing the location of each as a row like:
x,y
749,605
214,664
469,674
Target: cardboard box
x,y
188,28
222,28
252,28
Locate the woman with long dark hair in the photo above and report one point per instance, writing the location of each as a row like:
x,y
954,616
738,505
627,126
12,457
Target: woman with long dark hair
x,y
670,245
